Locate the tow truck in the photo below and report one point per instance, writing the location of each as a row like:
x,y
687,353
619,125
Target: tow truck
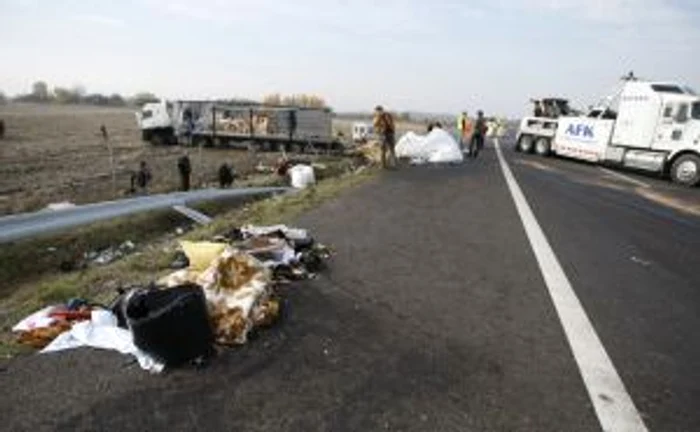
x,y
644,125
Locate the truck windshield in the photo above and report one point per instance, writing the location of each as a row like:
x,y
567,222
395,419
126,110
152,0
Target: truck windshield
x,y
696,111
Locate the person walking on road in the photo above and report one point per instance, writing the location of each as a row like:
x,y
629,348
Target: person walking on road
x,y
184,167
477,141
385,129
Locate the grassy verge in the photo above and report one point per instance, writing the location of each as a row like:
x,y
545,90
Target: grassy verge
x,y
153,258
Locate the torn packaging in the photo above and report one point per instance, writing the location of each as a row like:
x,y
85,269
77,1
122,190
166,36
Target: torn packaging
x,y
236,286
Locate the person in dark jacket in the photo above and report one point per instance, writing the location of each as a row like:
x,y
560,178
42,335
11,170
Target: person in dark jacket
x,y
2,129
292,124
477,141
226,176
184,167
141,178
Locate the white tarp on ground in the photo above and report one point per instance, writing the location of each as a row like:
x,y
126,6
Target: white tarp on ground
x,y
436,147
104,335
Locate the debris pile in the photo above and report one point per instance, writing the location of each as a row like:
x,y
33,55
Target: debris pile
x,y
222,290
110,254
436,147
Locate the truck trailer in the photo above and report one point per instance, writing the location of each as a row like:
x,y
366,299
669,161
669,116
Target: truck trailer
x,y
256,126
645,125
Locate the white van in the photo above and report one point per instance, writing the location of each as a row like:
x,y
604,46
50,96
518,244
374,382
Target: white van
x,y
362,132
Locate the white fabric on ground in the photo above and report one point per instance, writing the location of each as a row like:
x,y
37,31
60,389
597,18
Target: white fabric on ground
x,y
38,319
436,147
290,233
89,334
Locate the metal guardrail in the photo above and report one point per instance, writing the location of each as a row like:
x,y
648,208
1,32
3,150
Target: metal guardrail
x,y
16,227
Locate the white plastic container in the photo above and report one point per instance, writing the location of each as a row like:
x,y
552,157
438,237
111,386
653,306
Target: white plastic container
x,y
302,176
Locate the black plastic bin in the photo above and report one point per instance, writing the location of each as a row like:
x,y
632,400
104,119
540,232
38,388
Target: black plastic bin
x,y
171,324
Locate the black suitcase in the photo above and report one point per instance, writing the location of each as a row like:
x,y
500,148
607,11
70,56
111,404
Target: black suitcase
x,y
171,324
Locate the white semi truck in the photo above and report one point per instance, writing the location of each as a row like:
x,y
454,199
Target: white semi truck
x,y
257,126
649,126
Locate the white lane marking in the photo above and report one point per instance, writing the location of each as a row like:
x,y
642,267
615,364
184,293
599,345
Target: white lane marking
x,y
613,405
626,178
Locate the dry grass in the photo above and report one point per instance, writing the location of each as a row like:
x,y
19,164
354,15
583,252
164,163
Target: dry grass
x,y
56,153
154,257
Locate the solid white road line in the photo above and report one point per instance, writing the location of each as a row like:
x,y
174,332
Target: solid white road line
x,y
625,178
613,405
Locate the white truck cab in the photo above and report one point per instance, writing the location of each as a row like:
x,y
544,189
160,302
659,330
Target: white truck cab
x,y
154,118
362,132
651,126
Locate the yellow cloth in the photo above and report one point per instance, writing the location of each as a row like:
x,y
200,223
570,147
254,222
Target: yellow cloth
x,y
201,254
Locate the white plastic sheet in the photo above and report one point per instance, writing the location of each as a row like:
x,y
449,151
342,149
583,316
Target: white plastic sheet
x,y
38,319
302,176
291,233
110,337
436,147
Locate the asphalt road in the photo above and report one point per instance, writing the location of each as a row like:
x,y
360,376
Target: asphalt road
x,y
433,316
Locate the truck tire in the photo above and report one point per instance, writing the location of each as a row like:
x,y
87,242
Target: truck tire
x,y
686,170
297,148
543,146
525,144
254,147
157,139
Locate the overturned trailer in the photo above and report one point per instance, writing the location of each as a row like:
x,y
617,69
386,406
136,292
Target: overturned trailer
x,y
249,125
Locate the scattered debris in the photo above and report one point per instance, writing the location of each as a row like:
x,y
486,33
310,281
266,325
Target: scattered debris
x,y
221,291
640,261
64,205
110,254
180,261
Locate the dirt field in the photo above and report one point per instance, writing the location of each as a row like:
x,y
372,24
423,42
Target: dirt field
x,y
56,153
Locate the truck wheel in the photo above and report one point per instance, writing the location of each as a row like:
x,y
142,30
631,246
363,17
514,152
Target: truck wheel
x,y
157,139
525,144
543,146
686,170
297,148
254,147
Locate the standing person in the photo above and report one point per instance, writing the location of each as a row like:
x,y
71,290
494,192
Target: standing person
x,y
292,124
465,130
2,129
184,167
539,112
384,127
225,176
477,141
141,178
103,131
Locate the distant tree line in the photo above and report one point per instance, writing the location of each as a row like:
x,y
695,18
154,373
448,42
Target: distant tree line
x,y
40,93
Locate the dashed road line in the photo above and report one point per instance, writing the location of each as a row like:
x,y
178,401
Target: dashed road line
x,y
626,178
613,405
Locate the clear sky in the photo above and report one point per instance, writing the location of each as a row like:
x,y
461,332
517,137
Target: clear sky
x,y
428,55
